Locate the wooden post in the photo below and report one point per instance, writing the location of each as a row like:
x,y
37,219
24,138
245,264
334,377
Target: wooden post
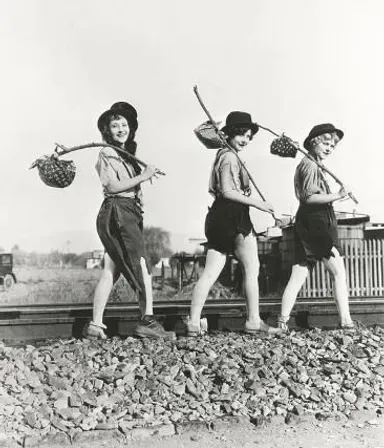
x,y
179,275
162,275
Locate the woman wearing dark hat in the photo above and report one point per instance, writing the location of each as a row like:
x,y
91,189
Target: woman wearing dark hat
x,y
120,221
315,228
228,226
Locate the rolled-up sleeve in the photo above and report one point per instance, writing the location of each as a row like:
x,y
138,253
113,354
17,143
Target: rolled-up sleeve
x,y
307,180
107,168
229,173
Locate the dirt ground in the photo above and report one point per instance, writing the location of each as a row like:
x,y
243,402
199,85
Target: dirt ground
x,y
364,430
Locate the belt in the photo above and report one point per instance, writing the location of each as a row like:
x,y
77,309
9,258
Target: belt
x,y
125,195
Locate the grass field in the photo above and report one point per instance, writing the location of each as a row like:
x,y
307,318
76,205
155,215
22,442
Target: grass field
x,y
64,286
50,286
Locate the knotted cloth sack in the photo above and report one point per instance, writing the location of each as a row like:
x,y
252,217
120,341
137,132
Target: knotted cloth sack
x,y
283,147
208,135
54,172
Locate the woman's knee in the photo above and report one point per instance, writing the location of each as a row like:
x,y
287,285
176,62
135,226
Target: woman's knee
x,y
299,274
251,268
335,267
107,277
144,266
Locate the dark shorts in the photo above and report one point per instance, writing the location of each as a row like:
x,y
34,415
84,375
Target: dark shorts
x,y
120,228
315,233
225,220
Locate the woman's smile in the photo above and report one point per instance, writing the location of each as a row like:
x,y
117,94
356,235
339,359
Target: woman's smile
x,y
239,142
119,130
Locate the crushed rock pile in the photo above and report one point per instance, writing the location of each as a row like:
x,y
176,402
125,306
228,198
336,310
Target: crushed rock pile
x,y
75,386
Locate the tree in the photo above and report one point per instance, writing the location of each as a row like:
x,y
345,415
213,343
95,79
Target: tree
x,y
19,256
157,244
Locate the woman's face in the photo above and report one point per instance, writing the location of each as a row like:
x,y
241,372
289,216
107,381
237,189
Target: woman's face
x,y
239,142
119,130
324,148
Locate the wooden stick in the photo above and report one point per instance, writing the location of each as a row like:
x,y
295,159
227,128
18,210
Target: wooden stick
x,y
278,221
66,150
319,164
226,144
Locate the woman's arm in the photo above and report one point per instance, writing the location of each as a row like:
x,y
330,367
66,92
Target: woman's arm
x,y
327,198
229,172
236,196
118,186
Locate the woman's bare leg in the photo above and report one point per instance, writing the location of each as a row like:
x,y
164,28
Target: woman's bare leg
x,y
214,264
146,297
296,281
335,266
246,253
103,290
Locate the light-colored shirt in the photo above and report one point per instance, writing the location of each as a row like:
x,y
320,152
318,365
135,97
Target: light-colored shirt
x,y
227,174
309,179
111,167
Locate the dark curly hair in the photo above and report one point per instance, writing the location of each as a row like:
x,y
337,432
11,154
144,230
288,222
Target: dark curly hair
x,y
237,130
130,145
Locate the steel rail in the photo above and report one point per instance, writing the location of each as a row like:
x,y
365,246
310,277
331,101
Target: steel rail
x,y
29,323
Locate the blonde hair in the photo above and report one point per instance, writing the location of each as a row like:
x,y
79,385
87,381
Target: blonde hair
x,y
324,138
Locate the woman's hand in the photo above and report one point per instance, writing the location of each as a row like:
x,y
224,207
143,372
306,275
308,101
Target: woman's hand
x,y
344,191
263,206
149,172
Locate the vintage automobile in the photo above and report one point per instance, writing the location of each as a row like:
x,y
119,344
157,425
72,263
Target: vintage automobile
x,y
7,277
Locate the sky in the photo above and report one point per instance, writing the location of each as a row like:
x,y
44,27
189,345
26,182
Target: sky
x,y
290,64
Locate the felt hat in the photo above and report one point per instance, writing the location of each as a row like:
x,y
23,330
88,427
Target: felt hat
x,y
122,108
240,119
320,129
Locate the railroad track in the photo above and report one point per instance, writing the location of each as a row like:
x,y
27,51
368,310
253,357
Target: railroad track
x,y
31,323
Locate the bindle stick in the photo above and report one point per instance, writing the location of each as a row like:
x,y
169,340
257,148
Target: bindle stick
x,y
319,164
66,150
215,125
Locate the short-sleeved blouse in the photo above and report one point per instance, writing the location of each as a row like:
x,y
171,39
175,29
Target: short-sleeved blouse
x,y
309,179
111,167
227,174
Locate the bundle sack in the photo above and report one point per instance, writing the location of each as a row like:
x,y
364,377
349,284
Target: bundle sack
x,y
283,147
54,172
208,135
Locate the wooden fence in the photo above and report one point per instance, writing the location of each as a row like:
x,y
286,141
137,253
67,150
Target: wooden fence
x,y
364,262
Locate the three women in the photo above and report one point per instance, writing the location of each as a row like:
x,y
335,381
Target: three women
x,y
228,226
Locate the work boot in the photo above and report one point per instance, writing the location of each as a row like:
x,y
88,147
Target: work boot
x,y
148,327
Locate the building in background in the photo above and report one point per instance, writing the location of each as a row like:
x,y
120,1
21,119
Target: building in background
x,y
95,261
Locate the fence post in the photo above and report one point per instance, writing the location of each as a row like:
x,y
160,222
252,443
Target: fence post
x,y
179,274
162,275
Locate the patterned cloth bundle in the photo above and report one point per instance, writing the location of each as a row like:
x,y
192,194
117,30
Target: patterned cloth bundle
x,y
283,147
54,172
208,136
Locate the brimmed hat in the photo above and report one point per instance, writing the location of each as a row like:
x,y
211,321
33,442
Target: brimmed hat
x,y
320,129
121,108
240,119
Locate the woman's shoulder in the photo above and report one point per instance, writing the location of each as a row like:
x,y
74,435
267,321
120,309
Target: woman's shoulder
x,y
227,156
106,152
306,164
